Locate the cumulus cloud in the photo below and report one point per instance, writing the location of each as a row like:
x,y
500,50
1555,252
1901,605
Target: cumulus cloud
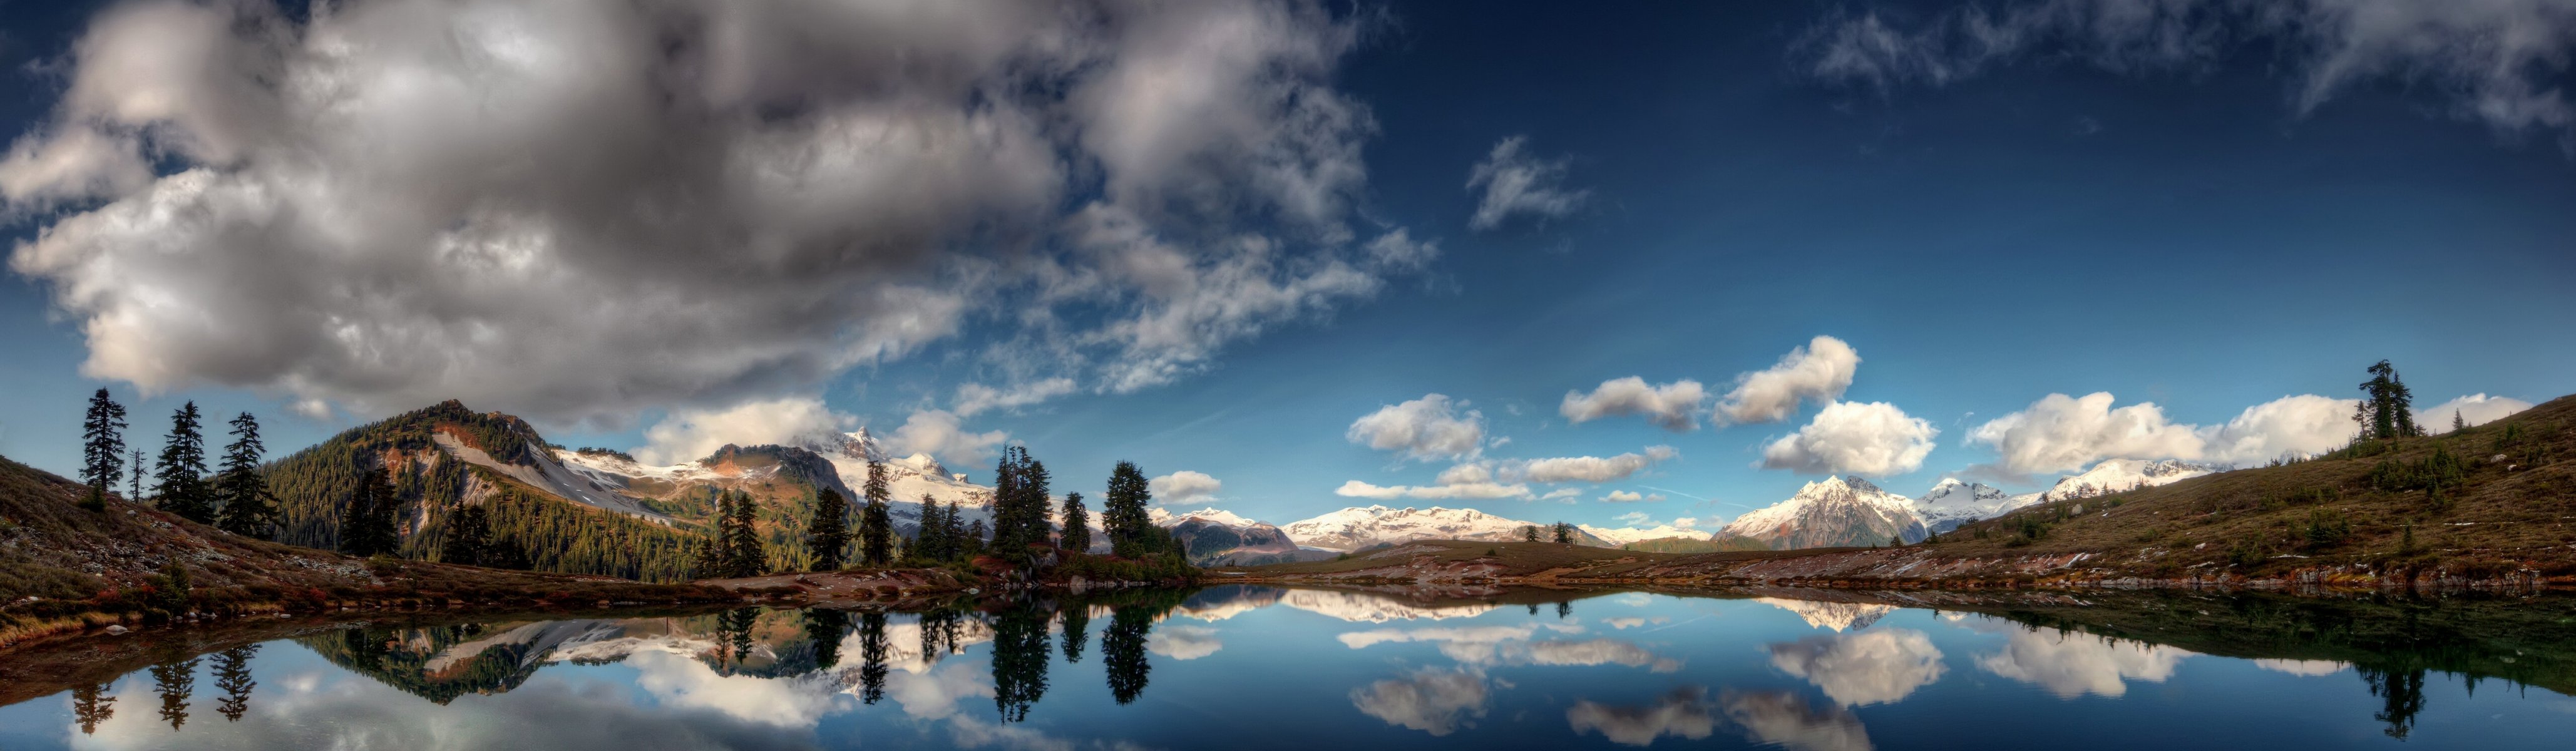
x,y
1858,669
1518,182
976,398
1584,468
941,434
2494,62
1432,701
1183,642
1470,490
1783,719
1185,486
1685,713
2071,664
1631,496
577,211
1432,427
2060,432
690,435
1818,372
1861,438
1673,406
2475,409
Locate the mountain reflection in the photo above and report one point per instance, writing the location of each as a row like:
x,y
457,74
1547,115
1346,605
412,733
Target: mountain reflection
x,y
1416,669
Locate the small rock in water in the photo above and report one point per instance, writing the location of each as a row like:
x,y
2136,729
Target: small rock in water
x,y
116,630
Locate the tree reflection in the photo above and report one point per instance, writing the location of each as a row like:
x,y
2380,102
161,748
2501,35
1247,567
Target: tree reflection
x,y
872,657
2402,695
938,634
1077,630
1020,653
92,705
1122,650
824,628
733,631
1564,609
232,674
174,681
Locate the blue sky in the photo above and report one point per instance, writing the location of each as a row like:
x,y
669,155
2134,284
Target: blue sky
x,y
2253,212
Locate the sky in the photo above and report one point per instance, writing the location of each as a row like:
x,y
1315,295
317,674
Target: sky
x,y
1633,265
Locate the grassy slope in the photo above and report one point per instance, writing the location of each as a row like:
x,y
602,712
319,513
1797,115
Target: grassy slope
x,y
2256,520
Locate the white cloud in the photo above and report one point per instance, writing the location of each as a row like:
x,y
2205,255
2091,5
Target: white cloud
x,y
1183,642
690,435
1628,496
1872,438
1471,491
1868,667
1517,182
1438,702
975,398
1185,486
941,434
2071,664
1432,427
1783,719
1584,468
1685,713
1673,406
2060,433
2304,667
2476,409
1818,372
575,211
1560,494
2495,62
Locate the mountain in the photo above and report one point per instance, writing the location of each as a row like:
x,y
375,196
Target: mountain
x,y
1835,511
1359,527
2115,475
1625,535
784,479
445,457
1951,503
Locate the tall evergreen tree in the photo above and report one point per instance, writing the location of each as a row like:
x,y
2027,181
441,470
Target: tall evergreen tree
x,y
2458,423
828,535
91,705
974,539
872,656
1020,504
1077,524
232,674
367,524
469,536
1564,533
1131,530
174,682
710,560
181,477
248,508
876,522
134,479
2387,408
749,557
102,449
1529,533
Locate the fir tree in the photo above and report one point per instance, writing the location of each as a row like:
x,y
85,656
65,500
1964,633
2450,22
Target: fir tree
x,y
248,508
1077,524
232,674
749,558
174,681
1122,509
181,477
2457,422
134,479
1529,533
102,449
367,524
876,522
710,561
975,539
829,534
2387,408
1564,534
469,535
91,705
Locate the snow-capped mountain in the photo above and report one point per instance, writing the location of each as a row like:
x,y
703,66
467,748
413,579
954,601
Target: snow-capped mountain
x,y
2115,475
1625,535
1166,519
1362,526
838,462
1951,503
1834,511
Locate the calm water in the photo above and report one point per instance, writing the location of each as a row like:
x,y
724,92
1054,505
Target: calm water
x,y
1255,667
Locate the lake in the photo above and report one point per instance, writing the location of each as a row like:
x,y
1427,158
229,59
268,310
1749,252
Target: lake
x,y
1261,667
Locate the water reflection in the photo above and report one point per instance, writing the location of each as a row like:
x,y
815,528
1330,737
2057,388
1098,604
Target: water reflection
x,y
1266,667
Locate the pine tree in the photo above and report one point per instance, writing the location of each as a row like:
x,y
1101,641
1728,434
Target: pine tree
x,y
469,535
1564,534
232,674
181,476
91,705
828,535
174,681
367,524
2457,422
134,479
749,558
248,508
710,560
952,534
876,522
1077,524
1122,512
975,539
1529,533
102,449
2387,409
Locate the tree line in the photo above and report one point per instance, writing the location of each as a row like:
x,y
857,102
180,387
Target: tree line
x,y
233,497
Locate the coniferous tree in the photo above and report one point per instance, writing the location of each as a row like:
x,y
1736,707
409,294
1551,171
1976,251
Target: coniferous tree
x,y
232,674
872,656
469,536
1131,531
134,479
829,534
1077,524
174,681
749,557
952,532
91,705
1564,533
876,522
2387,408
181,477
975,539
102,449
1529,533
367,524
1077,630
2457,422
248,508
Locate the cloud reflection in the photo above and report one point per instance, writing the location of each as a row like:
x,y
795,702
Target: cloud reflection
x,y
2071,664
1873,667
1432,701
1685,713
